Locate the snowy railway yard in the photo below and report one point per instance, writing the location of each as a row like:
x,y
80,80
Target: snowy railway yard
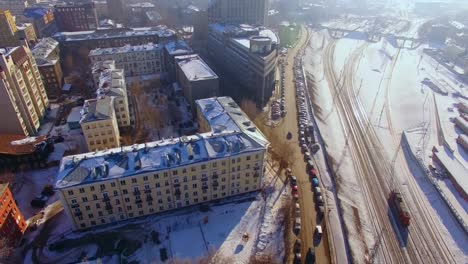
x,y
234,230
379,123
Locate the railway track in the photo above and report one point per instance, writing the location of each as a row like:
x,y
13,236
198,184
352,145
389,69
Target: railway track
x,y
389,250
424,243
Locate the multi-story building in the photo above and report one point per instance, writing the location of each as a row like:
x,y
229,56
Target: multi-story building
x,y
8,30
23,99
117,10
171,50
101,9
252,12
47,55
248,54
196,78
12,224
72,43
132,181
26,32
135,60
112,84
16,7
99,124
42,19
98,68
76,16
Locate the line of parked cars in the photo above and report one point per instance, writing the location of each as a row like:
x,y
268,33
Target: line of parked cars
x,y
279,106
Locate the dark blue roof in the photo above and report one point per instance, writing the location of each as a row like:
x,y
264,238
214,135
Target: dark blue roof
x,y
35,12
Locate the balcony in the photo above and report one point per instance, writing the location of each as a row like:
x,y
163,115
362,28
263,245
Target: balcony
x,y
215,176
149,198
204,179
204,187
78,214
106,199
147,191
136,192
176,185
215,183
75,206
108,207
138,201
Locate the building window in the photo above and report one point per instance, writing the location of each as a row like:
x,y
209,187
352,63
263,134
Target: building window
x,y
145,178
203,166
112,184
247,158
158,185
81,190
87,208
94,197
129,207
90,215
156,176
73,201
134,180
122,182
127,200
70,192
124,191
116,193
85,199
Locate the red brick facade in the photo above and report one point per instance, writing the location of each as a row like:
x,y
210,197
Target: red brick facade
x,y
12,224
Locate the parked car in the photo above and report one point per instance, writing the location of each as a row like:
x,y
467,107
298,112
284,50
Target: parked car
x,y
297,258
317,191
293,180
297,246
310,256
319,200
297,225
315,182
320,212
297,209
289,136
318,234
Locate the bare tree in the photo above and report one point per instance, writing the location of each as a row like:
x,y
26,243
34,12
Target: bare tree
x,y
6,251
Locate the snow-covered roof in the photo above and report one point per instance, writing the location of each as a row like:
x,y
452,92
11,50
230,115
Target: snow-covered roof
x,y
125,49
97,109
75,115
160,31
101,66
44,48
454,167
112,83
167,153
195,68
178,47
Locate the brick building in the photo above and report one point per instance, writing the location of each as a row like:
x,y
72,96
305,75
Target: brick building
x,y
12,224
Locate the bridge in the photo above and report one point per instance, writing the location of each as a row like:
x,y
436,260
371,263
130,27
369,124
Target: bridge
x,y
400,42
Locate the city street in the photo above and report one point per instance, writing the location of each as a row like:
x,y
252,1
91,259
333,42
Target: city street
x,y
306,201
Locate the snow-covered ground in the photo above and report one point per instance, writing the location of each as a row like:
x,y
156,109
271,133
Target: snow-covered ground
x,y
232,231
395,101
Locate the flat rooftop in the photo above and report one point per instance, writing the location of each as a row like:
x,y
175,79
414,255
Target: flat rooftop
x,y
19,144
160,31
453,166
164,154
195,68
44,47
178,47
125,49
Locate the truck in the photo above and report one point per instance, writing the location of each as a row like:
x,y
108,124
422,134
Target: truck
x,y
399,208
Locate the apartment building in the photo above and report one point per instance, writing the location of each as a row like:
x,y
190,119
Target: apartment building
x,y
23,98
76,16
99,124
117,10
112,84
196,78
248,54
132,181
134,60
47,55
98,68
26,32
8,30
171,50
42,19
252,12
102,10
12,224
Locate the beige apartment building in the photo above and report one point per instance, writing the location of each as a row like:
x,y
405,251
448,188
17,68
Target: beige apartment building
x,y
112,84
134,60
123,183
98,68
99,124
23,99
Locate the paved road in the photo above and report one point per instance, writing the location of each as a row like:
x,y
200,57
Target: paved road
x,y
289,124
